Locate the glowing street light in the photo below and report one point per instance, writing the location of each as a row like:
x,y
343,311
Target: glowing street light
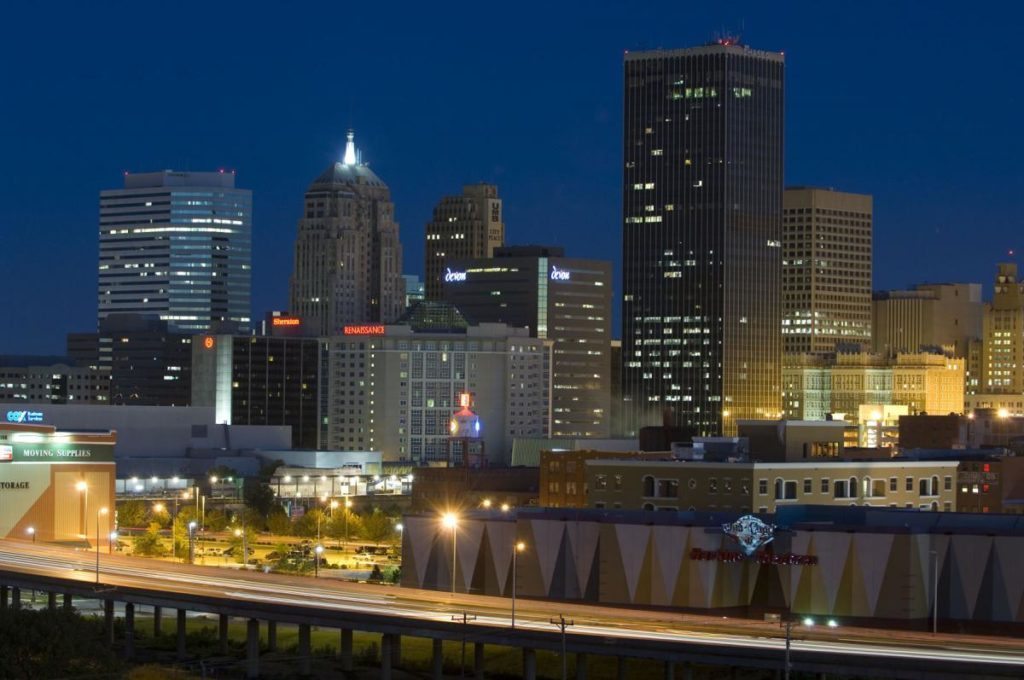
x,y
191,542
31,531
505,507
517,548
240,533
318,551
450,521
486,503
99,513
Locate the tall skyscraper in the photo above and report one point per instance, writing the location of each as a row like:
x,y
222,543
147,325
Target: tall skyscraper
x,y
1003,342
944,316
348,259
702,237
826,270
463,227
177,245
565,300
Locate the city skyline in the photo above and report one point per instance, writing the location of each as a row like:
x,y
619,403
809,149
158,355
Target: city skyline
x,y
557,166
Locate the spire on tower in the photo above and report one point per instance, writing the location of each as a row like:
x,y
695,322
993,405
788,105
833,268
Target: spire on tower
x,y
350,149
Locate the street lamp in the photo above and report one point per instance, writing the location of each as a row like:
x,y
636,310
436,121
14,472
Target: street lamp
x,y
191,543
450,521
517,548
99,513
348,506
83,489
113,540
505,507
806,621
317,552
240,533
31,531
486,503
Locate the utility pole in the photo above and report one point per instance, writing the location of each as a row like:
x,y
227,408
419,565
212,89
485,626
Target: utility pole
x,y
465,619
935,592
562,622
789,632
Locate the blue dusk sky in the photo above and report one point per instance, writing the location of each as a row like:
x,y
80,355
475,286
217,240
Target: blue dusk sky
x,y
916,103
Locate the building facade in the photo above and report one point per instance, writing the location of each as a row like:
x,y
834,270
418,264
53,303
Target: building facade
x,y
930,316
348,259
564,300
826,269
765,487
816,386
260,380
465,227
144,362
177,245
394,390
702,237
1003,336
51,380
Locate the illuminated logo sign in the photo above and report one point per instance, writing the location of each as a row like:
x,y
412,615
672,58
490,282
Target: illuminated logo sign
x,y
6,453
286,321
701,555
209,342
559,274
371,329
24,416
750,532
453,277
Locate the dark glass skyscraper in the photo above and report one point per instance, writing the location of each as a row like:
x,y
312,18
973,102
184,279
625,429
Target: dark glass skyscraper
x,y
702,211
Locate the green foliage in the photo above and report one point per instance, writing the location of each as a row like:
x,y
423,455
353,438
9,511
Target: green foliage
x,y
132,514
52,644
149,544
250,518
216,520
306,526
237,544
260,498
278,523
336,527
378,527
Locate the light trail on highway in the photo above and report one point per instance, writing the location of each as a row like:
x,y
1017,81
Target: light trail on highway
x,y
532,615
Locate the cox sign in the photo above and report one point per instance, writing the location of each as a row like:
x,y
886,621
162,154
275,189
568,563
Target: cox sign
x,y
453,277
24,416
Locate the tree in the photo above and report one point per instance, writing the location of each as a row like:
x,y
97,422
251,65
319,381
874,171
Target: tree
x,y
306,526
216,520
53,644
149,544
278,523
238,545
377,527
336,526
259,498
132,514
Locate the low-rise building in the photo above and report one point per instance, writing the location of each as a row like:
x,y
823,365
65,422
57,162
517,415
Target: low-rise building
x,y
563,478
763,487
51,380
456,489
793,440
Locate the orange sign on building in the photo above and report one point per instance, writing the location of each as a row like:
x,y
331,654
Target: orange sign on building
x,y
367,329
286,321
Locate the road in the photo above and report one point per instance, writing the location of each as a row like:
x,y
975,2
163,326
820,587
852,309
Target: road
x,y
423,610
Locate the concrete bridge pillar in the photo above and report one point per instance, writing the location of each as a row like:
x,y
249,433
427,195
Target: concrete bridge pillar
x,y
622,673
252,649
670,671
437,659
181,634
385,657
108,620
345,649
51,601
396,651
304,652
581,666
129,630
67,602
529,664
478,660
222,630
157,616
271,636
4,594
16,598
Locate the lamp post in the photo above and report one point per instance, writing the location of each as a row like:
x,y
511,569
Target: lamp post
x,y
317,552
935,591
517,548
240,533
450,521
191,543
99,513
31,531
113,540
348,509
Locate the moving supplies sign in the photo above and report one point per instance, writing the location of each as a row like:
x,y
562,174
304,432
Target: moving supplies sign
x,y
57,453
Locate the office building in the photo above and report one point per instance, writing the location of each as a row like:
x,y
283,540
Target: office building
x,y
564,300
764,487
931,316
395,389
463,227
56,484
702,237
415,291
826,270
51,380
348,259
260,380
177,245
1003,336
145,363
817,386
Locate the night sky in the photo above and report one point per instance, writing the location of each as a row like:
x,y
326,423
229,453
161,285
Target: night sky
x,y
919,105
